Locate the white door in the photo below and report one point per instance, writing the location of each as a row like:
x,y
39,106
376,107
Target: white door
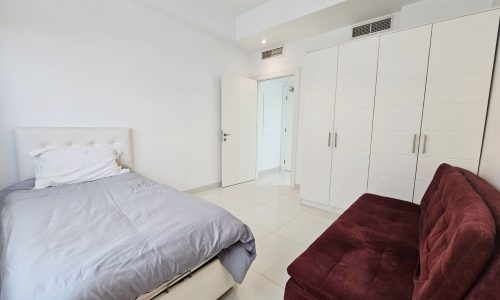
x,y
286,128
318,82
399,100
239,130
357,73
458,86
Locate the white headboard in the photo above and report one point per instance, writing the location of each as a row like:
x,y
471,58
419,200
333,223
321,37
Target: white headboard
x,y
32,138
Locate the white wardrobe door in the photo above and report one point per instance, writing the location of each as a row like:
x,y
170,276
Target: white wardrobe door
x,y
458,85
399,100
319,77
357,73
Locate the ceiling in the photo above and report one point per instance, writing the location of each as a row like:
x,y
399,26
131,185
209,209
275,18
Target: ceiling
x,y
289,80
218,17
344,13
215,17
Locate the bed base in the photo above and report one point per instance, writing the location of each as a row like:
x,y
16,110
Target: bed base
x,y
208,282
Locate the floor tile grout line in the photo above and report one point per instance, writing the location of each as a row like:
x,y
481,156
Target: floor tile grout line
x,y
263,275
289,240
283,237
269,187
299,213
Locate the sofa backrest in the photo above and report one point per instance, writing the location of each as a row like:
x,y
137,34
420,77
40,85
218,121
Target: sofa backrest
x,y
457,236
487,285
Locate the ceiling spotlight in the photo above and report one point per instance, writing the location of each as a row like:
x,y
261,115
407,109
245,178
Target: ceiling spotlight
x,y
264,41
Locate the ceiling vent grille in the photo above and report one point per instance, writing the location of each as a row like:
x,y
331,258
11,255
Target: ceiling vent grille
x,y
272,53
370,28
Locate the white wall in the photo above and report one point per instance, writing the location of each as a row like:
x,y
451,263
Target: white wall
x,y
115,63
490,159
424,12
269,129
490,163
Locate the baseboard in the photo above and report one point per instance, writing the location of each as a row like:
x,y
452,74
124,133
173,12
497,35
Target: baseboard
x,y
322,206
269,171
204,188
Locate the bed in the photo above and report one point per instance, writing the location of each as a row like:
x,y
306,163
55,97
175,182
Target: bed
x,y
121,237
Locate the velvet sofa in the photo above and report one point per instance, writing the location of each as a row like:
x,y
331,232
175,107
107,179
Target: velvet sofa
x,y
383,248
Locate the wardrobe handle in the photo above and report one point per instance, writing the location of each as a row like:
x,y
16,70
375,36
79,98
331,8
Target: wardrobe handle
x,y
424,148
329,139
335,140
414,143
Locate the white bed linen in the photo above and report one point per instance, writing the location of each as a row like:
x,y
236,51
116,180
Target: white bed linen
x,y
56,166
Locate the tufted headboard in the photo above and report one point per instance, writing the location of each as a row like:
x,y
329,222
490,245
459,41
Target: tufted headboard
x,y
32,138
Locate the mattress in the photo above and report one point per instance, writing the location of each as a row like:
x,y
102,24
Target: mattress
x,y
114,238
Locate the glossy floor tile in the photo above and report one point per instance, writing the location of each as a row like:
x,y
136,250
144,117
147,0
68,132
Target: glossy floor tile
x,y
282,226
256,287
274,255
269,218
302,231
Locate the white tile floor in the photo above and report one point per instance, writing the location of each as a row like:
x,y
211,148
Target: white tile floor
x,y
282,227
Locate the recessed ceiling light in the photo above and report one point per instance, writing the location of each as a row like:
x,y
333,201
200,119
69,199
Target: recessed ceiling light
x,y
264,41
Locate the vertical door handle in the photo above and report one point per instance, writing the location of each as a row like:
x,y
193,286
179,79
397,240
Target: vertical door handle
x,y
224,136
424,148
335,140
414,143
329,139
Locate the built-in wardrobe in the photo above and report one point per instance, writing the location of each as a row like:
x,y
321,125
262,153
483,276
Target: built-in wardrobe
x,y
380,114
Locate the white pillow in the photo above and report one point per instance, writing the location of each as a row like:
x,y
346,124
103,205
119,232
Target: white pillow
x,y
66,165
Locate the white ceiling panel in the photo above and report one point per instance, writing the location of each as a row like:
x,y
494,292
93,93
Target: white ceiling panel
x,y
216,17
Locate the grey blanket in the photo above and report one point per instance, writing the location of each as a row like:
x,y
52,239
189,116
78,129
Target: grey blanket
x,y
114,238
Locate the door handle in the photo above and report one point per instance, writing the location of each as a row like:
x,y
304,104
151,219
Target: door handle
x,y
335,140
414,143
224,136
424,148
329,139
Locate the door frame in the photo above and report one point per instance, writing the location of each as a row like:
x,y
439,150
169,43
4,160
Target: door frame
x,y
295,73
284,126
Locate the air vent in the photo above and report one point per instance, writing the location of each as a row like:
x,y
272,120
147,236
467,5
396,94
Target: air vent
x,y
272,53
361,30
370,28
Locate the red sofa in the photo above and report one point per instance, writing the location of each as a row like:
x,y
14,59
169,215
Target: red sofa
x,y
383,248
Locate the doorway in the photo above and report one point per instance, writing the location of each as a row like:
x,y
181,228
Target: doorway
x,y
259,126
275,128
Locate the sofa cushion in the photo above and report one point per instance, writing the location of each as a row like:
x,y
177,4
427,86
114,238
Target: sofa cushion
x,y
372,246
457,234
486,287
293,291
